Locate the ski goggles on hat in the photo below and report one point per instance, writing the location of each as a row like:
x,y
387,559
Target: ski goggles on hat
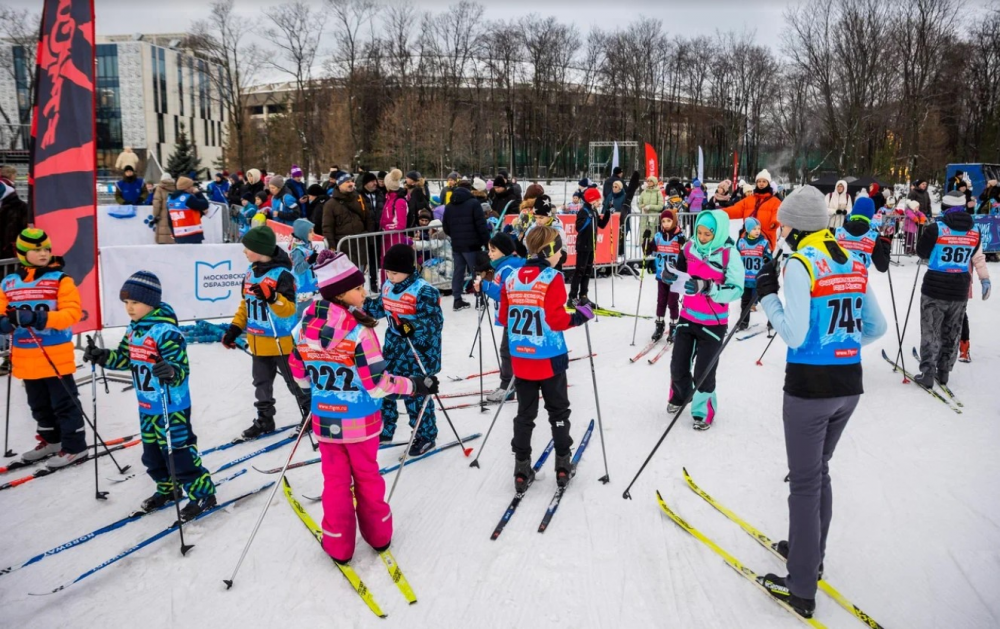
x,y
552,248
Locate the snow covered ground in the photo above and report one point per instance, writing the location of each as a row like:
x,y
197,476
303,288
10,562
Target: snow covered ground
x,y
914,541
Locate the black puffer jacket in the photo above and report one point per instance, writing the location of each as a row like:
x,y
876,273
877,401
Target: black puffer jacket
x,y
939,285
465,223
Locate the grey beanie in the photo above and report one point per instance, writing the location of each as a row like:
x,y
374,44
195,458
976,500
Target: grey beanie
x,y
953,199
804,210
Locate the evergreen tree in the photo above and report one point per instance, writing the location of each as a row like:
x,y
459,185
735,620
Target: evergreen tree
x,y
183,160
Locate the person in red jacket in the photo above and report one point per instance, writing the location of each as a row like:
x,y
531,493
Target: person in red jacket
x,y
532,307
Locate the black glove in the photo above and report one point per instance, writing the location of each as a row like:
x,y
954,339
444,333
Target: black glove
x,y
667,277
767,280
425,385
164,371
25,318
264,292
885,242
6,325
651,266
229,338
94,354
406,329
646,235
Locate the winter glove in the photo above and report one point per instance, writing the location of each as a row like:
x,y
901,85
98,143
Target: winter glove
x,y
229,338
585,311
885,242
986,289
425,385
406,329
94,354
6,325
651,266
767,280
25,318
646,235
164,371
696,285
264,292
667,277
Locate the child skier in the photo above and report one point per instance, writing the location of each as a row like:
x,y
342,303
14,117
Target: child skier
x,y
717,276
587,222
303,255
532,307
155,350
412,308
267,313
666,244
40,305
504,262
337,355
860,236
948,245
755,251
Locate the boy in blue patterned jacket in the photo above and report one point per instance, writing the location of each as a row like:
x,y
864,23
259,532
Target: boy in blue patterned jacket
x,y
156,352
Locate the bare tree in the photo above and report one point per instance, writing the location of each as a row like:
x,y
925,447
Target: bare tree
x,y
350,17
19,31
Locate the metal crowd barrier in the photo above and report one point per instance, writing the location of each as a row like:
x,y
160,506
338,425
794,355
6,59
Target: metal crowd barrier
x,y
232,227
630,242
433,247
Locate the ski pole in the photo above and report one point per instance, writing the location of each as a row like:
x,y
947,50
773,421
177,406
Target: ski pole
x,y
638,300
98,494
7,452
263,512
76,400
759,363
482,393
708,371
286,376
895,318
597,400
175,491
406,453
420,364
906,321
510,387
475,339
493,334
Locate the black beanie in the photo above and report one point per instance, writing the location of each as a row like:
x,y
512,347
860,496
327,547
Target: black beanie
x,y
400,259
315,190
502,243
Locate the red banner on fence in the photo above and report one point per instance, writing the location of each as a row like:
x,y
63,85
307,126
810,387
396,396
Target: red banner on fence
x,y
652,163
63,169
283,233
607,238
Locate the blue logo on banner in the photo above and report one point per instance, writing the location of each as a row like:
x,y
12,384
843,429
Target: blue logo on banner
x,y
215,282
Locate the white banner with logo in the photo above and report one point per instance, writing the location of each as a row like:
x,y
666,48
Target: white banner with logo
x,y
199,281
119,225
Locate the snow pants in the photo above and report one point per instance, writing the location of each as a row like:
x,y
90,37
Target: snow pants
x,y
666,298
506,367
192,476
940,329
555,394
582,273
56,412
264,369
390,416
696,345
812,429
344,465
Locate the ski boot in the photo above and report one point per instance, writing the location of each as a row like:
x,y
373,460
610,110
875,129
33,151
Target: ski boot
x,y
673,408
461,304
672,332
564,469
156,501
43,450
744,325
926,380
782,549
585,301
658,332
64,459
194,508
524,475
770,330
500,395
260,426
776,587
421,446
942,378
701,424
963,352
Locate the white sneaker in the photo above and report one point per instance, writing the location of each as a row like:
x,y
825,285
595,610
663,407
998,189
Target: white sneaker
x,y
41,451
64,458
497,396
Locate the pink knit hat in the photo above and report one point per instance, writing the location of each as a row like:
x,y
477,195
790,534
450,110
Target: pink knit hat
x,y
336,274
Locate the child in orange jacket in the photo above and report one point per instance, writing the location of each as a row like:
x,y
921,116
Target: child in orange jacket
x,y
41,305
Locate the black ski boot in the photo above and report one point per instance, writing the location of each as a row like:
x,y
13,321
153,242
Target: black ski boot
x,y
658,332
925,380
524,475
782,549
742,326
421,446
156,501
194,508
672,332
585,301
261,426
776,587
942,378
564,469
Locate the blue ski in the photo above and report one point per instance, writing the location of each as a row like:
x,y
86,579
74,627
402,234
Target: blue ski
x,y
239,440
551,511
518,496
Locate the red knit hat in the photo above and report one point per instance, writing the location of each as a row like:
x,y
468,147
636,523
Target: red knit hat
x,y
591,194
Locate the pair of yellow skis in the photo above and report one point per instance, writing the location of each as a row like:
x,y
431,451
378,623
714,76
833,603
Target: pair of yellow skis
x,y
390,562
764,541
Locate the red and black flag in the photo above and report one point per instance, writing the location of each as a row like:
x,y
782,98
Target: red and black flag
x,y
63,150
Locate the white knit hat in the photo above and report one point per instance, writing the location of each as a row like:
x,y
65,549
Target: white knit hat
x,y
913,204
763,175
479,184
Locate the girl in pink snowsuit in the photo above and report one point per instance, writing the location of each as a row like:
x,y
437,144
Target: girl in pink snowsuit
x,y
337,355
914,220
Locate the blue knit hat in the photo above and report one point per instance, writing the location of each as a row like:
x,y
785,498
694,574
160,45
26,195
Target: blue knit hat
x,y
751,224
864,208
143,287
300,229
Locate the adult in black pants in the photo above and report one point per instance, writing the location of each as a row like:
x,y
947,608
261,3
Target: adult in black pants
x,y
465,223
586,240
